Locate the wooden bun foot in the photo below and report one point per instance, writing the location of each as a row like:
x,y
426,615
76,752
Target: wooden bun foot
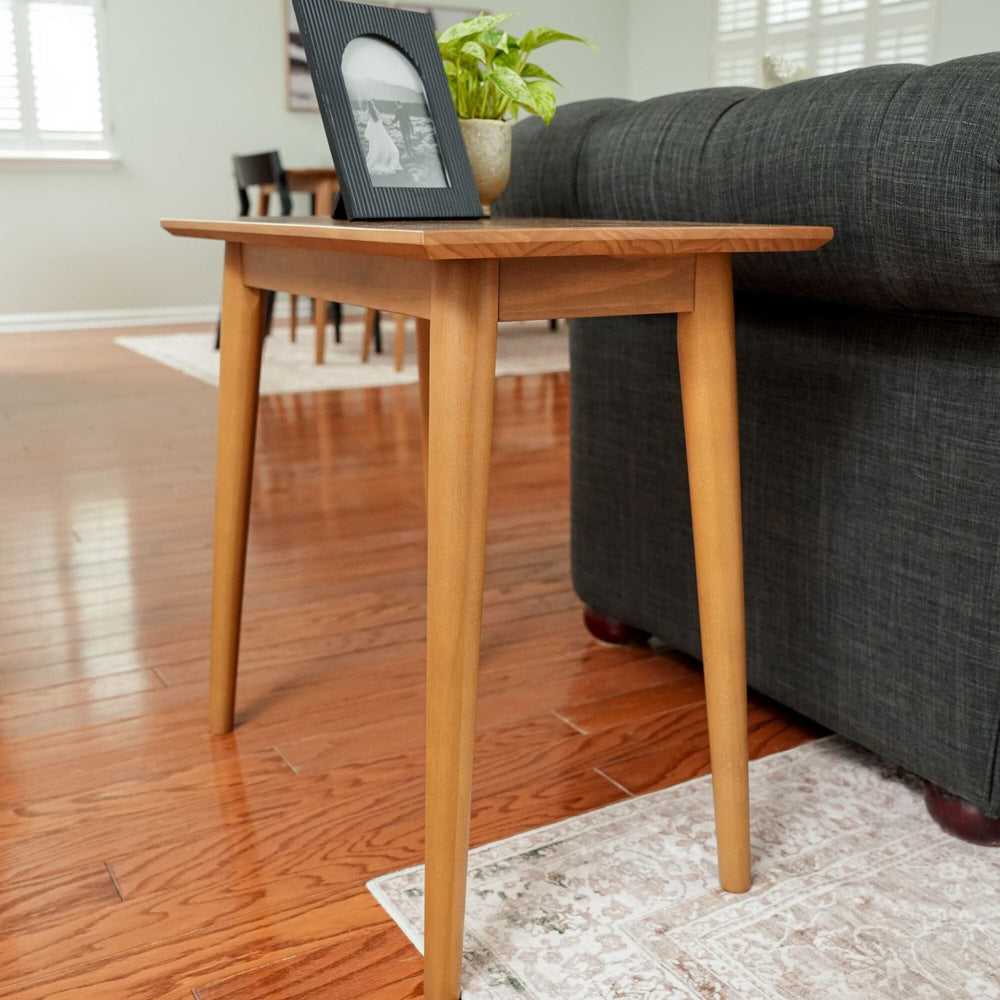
x,y
960,818
614,633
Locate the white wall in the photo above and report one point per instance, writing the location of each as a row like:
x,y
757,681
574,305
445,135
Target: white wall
x,y
670,46
966,27
192,82
583,73
670,41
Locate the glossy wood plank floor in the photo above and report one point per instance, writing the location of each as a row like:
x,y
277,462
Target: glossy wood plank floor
x,y
142,859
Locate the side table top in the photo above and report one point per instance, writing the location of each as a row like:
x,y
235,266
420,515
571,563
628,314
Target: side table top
x,y
505,238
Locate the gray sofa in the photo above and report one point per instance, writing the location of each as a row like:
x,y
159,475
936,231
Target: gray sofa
x,y
869,394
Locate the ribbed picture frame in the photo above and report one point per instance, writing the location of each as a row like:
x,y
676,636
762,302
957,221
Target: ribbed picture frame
x,y
327,27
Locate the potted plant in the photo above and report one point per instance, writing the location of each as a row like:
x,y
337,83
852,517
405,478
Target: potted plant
x,y
491,77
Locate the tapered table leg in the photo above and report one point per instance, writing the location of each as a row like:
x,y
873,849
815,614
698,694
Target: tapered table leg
x,y
319,307
239,380
368,337
462,366
423,369
706,346
324,194
399,342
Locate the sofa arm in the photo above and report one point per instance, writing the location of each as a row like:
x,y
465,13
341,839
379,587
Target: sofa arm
x,y
903,161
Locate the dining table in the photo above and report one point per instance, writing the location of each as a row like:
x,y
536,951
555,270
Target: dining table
x,y
323,185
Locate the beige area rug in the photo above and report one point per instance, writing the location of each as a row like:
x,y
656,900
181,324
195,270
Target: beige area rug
x,y
857,896
522,349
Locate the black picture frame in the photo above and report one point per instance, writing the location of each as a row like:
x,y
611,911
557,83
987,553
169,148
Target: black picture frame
x,y
404,186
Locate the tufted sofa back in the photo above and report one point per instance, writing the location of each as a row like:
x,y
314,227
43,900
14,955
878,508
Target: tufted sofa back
x,y
903,161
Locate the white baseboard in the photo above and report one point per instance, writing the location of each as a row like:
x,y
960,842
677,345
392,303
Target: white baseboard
x,y
98,319
101,319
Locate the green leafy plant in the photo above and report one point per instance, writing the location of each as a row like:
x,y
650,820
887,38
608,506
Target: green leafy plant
x,y
489,71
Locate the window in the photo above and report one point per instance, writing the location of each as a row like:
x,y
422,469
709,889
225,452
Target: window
x,y
51,94
824,36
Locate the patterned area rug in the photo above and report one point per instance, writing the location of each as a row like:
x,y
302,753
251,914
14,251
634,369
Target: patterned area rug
x,y
522,349
857,896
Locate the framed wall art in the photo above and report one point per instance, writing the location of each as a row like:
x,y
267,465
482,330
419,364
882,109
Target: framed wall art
x,y
300,93
387,111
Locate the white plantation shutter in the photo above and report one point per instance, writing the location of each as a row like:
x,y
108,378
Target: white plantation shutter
x,y
830,8
824,36
738,15
10,98
840,51
787,11
64,67
51,99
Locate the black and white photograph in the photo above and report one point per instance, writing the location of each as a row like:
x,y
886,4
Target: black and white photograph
x,y
388,112
391,115
301,94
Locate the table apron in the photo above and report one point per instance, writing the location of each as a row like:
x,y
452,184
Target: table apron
x,y
530,288
568,287
394,284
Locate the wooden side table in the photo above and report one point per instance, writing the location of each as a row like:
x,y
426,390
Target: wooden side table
x,y
459,279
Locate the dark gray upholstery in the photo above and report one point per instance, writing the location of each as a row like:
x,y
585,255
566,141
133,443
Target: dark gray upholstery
x,y
869,394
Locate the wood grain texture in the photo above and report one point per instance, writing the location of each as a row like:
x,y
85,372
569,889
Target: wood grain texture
x,y
595,286
368,340
393,284
505,238
460,441
49,901
706,350
364,966
240,349
399,342
242,855
684,755
423,374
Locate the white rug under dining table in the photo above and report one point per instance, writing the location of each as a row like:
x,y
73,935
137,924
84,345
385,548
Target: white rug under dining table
x,y
857,895
522,349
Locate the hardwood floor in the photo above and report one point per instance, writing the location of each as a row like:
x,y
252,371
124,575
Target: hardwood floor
x,y
141,858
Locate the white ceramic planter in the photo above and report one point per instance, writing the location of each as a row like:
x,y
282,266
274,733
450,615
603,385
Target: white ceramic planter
x,y
488,145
